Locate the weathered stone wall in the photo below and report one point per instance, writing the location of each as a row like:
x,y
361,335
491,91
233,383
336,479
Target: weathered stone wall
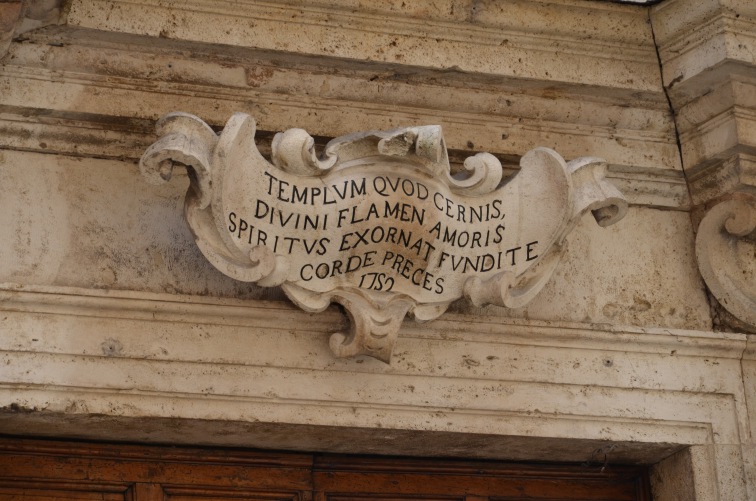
x,y
114,326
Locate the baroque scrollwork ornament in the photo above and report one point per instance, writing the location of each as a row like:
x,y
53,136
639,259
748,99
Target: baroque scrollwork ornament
x,y
726,254
377,222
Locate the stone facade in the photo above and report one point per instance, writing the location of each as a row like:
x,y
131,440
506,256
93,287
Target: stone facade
x,y
638,349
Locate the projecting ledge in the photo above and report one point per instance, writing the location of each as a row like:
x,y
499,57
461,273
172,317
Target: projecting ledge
x,y
148,309
164,368
332,439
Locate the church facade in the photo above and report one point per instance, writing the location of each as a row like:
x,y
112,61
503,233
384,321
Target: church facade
x,y
143,299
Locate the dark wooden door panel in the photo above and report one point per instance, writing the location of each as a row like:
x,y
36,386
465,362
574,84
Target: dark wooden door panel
x,y
374,497
54,495
32,470
338,478
205,494
151,473
41,490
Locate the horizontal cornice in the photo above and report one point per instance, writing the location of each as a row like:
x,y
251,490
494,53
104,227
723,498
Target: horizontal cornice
x,y
73,356
120,86
706,48
182,309
328,89
520,39
96,136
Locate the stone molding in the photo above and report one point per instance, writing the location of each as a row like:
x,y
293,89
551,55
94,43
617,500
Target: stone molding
x,y
694,37
721,178
490,39
251,314
706,49
543,202
84,135
627,127
68,65
70,354
719,124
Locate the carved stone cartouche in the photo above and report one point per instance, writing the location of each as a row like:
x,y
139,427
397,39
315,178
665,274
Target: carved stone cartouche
x,y
378,222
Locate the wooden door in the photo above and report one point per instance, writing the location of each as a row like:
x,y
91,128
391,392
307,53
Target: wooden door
x,y
54,471
348,479
32,470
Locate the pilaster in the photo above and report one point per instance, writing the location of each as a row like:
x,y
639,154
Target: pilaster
x,y
707,55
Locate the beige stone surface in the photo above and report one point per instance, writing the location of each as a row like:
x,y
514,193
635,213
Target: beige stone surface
x,y
10,15
114,326
605,275
481,37
102,226
749,444
134,356
707,53
94,223
141,80
696,36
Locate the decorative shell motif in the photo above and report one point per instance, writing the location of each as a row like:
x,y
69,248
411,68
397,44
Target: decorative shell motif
x,y
377,223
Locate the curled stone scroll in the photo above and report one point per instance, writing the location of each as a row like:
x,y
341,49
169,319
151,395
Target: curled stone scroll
x,y
377,222
726,253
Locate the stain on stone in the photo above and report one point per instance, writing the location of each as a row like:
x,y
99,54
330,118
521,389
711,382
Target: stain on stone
x,y
470,362
674,81
77,406
111,347
258,75
16,407
640,304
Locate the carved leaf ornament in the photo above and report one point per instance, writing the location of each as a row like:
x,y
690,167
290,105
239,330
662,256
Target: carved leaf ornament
x,y
377,223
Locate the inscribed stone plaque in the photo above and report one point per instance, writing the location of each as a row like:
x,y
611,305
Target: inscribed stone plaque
x,y
377,222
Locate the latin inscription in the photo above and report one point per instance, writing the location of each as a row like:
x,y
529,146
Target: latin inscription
x,y
379,221
382,232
